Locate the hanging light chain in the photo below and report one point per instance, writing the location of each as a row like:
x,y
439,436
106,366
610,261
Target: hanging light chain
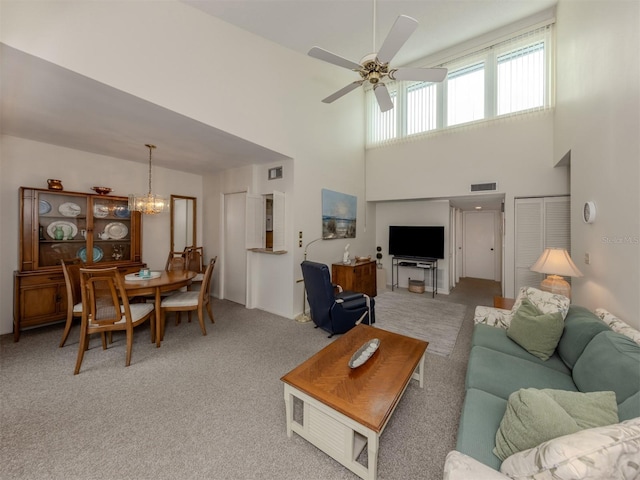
x,y
150,147
149,203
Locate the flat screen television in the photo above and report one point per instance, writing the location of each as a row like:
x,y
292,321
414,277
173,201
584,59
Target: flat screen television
x,y
416,241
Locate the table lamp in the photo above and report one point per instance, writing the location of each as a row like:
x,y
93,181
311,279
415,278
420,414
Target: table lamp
x,y
557,263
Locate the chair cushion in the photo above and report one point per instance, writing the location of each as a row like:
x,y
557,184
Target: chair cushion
x,y
138,311
198,278
181,299
77,308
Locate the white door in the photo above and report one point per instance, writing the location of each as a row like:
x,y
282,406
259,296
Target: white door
x,y
479,245
235,253
459,244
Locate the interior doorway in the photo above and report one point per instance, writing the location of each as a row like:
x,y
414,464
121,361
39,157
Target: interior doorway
x,y
234,286
482,245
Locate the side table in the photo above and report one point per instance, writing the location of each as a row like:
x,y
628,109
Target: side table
x,y
503,302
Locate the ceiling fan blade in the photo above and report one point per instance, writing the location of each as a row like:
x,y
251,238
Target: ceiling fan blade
x,y
343,91
325,55
399,34
419,74
383,97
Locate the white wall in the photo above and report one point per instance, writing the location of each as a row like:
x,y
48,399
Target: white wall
x,y
598,120
182,59
517,153
433,213
28,163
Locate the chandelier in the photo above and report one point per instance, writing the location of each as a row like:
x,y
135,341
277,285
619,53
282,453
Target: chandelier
x,y
148,203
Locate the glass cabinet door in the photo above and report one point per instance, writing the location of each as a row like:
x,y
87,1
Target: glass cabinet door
x,y
112,230
62,227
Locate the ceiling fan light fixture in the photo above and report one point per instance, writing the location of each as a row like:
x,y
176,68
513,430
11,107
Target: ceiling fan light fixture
x,y
374,77
374,67
148,203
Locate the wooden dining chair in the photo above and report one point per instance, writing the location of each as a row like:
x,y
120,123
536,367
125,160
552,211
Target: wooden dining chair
x,y
106,308
195,263
190,301
176,261
71,272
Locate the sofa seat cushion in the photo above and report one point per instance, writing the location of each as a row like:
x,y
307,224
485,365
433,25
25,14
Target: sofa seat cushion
x,y
596,453
534,416
580,326
480,419
611,361
630,408
497,339
501,374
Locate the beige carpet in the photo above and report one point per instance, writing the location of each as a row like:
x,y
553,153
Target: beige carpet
x,y
420,316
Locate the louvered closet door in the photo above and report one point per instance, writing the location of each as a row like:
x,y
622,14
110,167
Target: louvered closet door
x,y
539,223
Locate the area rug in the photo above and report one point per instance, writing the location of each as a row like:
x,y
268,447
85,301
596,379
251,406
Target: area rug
x,y
422,317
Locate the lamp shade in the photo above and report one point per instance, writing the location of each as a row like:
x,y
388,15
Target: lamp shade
x,y
556,261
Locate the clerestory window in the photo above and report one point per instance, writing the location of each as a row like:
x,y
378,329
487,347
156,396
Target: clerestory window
x,y
506,78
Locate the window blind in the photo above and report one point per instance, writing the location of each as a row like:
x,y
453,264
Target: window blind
x,y
506,78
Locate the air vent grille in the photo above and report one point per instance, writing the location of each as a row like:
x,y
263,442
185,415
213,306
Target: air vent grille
x,y
484,187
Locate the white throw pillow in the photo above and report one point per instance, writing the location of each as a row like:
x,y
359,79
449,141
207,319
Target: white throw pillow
x,y
596,453
544,301
494,317
459,466
617,325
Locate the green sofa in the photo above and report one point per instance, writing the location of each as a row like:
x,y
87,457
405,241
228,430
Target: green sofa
x,y
589,357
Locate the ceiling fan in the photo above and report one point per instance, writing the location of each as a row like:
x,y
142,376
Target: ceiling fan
x,y
374,67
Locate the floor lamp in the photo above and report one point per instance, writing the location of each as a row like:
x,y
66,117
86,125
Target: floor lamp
x,y
303,317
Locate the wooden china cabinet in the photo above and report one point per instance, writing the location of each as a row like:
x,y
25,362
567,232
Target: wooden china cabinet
x,y
61,225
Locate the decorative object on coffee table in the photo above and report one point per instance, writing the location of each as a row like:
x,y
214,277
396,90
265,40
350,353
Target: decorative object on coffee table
x,y
364,353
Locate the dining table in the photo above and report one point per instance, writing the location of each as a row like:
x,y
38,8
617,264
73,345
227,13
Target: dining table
x,y
159,283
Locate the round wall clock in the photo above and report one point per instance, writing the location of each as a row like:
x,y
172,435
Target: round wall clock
x,y
589,212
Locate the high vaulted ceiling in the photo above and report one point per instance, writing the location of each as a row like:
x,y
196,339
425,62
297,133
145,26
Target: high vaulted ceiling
x,y
117,124
345,27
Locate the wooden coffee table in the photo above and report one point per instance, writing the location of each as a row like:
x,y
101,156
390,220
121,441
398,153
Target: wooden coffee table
x,y
346,409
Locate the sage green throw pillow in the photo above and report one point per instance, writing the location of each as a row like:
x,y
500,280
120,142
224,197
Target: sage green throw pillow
x,y
536,332
534,416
